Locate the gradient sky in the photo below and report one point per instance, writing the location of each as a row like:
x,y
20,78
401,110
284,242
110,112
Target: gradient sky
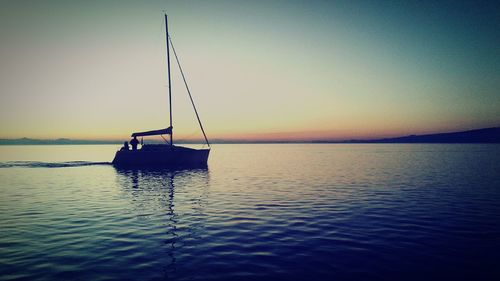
x,y
257,69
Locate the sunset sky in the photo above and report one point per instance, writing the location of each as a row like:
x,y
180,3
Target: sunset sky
x,y
291,70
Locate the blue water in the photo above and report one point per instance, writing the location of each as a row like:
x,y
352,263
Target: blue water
x,y
259,212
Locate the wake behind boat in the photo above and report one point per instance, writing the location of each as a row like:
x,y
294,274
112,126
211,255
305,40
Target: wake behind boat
x,y
168,154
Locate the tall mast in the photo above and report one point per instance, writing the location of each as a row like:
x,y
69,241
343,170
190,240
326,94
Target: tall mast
x,y
169,85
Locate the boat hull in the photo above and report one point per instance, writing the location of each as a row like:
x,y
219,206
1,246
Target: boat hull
x,y
162,156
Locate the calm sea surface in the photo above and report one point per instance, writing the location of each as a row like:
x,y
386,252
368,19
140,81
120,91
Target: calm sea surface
x,y
280,212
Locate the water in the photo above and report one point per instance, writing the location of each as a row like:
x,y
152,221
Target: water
x,y
281,212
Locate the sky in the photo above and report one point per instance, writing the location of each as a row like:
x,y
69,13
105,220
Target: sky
x,y
258,70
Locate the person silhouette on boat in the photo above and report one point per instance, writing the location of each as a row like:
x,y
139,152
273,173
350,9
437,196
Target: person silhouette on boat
x,y
125,146
134,142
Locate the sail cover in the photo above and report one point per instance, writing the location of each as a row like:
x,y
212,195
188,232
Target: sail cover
x,y
166,131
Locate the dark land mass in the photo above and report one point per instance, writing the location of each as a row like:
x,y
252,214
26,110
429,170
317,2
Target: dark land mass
x,y
487,135
28,141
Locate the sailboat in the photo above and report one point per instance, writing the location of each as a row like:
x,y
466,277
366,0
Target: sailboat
x,y
168,154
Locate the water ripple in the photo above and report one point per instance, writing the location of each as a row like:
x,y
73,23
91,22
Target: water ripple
x,y
281,212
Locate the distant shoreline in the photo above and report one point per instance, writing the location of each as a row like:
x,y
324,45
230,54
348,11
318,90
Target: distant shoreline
x,y
486,135
255,142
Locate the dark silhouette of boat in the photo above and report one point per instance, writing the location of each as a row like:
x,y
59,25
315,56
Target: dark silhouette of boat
x,y
168,154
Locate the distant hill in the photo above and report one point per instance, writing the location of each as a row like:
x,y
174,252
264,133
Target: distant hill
x,y
28,141
487,135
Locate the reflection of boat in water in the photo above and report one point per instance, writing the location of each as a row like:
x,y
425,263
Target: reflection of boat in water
x,y
151,196
164,155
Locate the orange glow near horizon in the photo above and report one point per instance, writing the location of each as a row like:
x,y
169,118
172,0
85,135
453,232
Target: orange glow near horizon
x,y
311,135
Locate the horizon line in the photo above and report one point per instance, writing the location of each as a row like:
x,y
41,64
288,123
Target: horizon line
x,y
490,134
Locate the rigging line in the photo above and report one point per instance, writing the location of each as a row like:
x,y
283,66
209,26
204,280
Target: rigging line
x,y
164,139
189,92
